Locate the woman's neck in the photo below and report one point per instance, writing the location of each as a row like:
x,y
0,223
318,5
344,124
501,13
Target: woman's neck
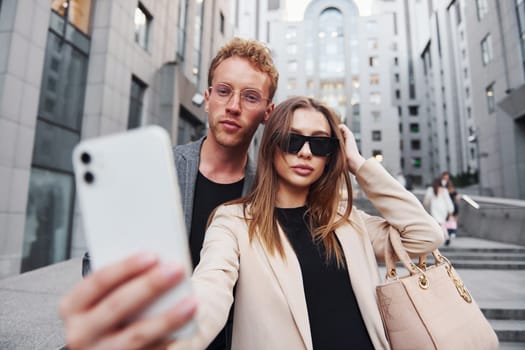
x,y
291,197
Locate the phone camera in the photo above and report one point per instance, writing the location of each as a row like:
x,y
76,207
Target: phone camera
x,y
85,158
89,177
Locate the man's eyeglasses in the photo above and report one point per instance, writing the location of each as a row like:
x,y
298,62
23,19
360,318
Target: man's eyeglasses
x,y
250,98
319,145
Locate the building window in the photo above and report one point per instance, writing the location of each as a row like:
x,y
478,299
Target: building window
x,y
491,100
520,10
77,12
375,98
378,155
292,66
291,49
486,50
197,40
136,102
273,5
292,84
396,61
376,135
181,29
142,26
415,145
373,61
458,12
373,44
49,209
371,27
374,79
482,8
48,218
399,111
190,128
414,127
221,22
376,116
413,111
396,77
416,162
398,94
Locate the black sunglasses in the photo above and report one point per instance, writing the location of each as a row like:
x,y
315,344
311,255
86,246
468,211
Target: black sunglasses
x,y
319,145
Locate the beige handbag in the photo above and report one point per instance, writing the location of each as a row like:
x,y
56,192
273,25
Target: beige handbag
x,y
430,308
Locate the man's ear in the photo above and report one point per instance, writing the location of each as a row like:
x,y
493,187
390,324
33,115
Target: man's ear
x,y
206,99
268,112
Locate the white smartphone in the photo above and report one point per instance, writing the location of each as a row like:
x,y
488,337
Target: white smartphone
x,y
129,198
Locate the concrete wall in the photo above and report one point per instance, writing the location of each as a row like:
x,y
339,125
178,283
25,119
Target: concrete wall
x,y
497,219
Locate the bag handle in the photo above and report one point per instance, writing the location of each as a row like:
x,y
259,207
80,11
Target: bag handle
x,y
394,248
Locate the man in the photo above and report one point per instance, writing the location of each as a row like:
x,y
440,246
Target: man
x,y
215,169
242,81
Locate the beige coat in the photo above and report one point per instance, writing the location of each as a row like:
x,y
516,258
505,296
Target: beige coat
x,y
270,306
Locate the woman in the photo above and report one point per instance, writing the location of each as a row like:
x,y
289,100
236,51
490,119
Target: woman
x,y
438,203
302,260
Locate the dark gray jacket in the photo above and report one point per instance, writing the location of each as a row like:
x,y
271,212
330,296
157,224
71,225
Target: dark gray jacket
x,y
187,158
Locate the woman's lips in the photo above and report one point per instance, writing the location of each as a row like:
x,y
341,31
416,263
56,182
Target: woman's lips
x,y
302,169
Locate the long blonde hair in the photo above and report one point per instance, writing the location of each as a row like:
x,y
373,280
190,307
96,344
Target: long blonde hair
x,y
324,198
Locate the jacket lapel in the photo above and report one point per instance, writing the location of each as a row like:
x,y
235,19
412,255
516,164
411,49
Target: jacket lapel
x,y
289,277
364,276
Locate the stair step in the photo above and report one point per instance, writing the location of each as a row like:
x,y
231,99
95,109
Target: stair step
x,y
480,264
484,256
484,264
509,330
504,314
511,345
451,248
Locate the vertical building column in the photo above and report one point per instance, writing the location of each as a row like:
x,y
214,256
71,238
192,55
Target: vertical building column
x,y
23,32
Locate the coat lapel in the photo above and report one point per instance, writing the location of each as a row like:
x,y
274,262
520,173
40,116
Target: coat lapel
x,y
289,277
364,276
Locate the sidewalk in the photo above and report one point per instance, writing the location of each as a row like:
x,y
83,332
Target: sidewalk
x,y
29,308
492,289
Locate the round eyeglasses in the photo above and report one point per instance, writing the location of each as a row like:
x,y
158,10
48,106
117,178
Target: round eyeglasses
x,y
250,98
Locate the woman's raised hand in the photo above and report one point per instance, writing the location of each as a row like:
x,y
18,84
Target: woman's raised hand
x,y
355,159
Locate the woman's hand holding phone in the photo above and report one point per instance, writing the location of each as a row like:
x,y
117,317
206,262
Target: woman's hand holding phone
x,y
96,311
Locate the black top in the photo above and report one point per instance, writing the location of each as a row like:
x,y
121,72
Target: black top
x,y
208,195
335,319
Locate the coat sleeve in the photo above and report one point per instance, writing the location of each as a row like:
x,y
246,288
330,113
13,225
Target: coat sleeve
x,y
400,210
214,278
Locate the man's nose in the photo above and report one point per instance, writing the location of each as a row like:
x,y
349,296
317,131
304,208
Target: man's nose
x,y
234,104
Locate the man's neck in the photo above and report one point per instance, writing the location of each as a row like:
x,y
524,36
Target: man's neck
x,y
222,164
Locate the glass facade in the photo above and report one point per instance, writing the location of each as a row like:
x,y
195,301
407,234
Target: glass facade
x,y
181,29
520,11
136,103
51,192
197,40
